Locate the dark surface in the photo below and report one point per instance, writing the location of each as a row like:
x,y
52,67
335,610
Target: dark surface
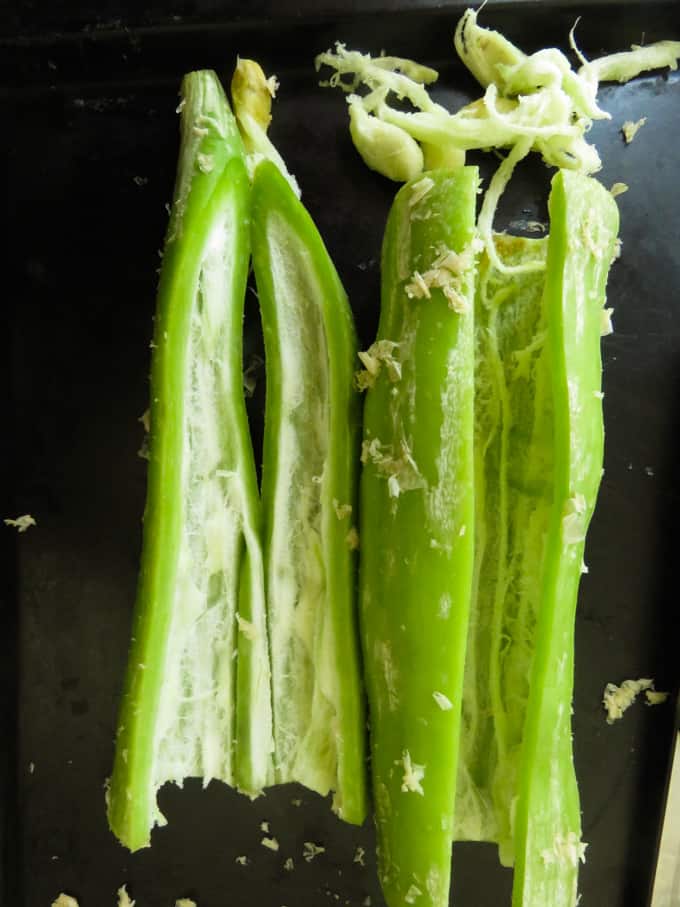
x,y
89,152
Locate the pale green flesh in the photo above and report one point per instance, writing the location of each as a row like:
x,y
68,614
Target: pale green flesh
x,y
305,679
538,449
513,500
195,718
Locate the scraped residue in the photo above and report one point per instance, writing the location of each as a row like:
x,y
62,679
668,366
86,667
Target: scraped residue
x,y
21,523
64,900
413,775
618,699
442,701
412,894
124,900
447,272
419,190
630,129
397,466
378,354
312,850
566,849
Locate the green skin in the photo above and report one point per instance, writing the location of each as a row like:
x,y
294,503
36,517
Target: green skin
x,y
417,548
212,185
583,228
309,489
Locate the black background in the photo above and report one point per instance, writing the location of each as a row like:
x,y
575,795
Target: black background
x,y
89,142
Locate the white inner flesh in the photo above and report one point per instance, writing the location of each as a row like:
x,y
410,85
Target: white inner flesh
x,y
300,628
196,708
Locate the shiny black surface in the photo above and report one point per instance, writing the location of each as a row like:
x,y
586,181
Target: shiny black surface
x,y
89,147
